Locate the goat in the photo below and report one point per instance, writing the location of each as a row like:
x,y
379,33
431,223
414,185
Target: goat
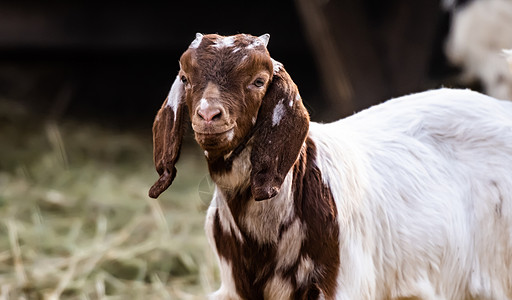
x,y
409,199
480,29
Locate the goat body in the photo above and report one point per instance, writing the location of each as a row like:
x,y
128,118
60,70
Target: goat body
x,y
408,199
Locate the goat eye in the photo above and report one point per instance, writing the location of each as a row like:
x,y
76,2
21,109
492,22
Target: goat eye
x,y
183,79
259,82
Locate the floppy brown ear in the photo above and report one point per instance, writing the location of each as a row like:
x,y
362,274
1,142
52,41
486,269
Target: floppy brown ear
x,y
168,130
283,124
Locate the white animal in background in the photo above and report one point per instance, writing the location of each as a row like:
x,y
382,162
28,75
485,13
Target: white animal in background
x,y
409,199
508,55
480,30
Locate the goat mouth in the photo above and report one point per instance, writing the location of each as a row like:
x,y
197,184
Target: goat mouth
x,y
215,140
212,133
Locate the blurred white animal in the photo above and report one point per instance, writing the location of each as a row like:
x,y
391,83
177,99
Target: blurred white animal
x,y
480,30
508,54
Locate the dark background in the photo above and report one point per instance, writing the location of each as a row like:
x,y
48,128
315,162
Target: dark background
x,y
113,62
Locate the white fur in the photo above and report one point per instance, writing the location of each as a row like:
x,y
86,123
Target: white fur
x,y
306,268
263,218
203,104
230,135
276,65
288,248
297,98
508,56
227,289
174,96
417,182
224,42
278,113
239,176
278,288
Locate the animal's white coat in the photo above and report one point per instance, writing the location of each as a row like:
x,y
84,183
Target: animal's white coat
x,y
423,190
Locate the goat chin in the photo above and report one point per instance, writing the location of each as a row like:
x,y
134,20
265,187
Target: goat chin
x,y
411,198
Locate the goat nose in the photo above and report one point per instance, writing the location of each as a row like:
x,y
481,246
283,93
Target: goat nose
x,y
209,112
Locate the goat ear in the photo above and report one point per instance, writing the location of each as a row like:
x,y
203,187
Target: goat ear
x,y
283,124
168,130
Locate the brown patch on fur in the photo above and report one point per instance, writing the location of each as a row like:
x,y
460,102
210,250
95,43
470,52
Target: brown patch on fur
x,y
254,264
315,206
276,148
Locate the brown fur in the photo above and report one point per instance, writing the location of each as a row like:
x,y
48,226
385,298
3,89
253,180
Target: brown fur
x,y
255,263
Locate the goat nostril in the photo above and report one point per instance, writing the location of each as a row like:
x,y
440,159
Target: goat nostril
x,y
209,114
217,116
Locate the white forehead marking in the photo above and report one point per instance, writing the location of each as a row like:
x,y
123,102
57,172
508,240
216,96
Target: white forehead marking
x,y
205,153
277,65
174,97
253,120
224,42
278,113
195,43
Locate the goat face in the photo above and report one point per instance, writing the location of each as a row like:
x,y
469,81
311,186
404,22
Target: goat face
x,y
225,79
236,95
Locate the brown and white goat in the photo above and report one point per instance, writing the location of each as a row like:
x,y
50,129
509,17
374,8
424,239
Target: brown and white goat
x,y
410,199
